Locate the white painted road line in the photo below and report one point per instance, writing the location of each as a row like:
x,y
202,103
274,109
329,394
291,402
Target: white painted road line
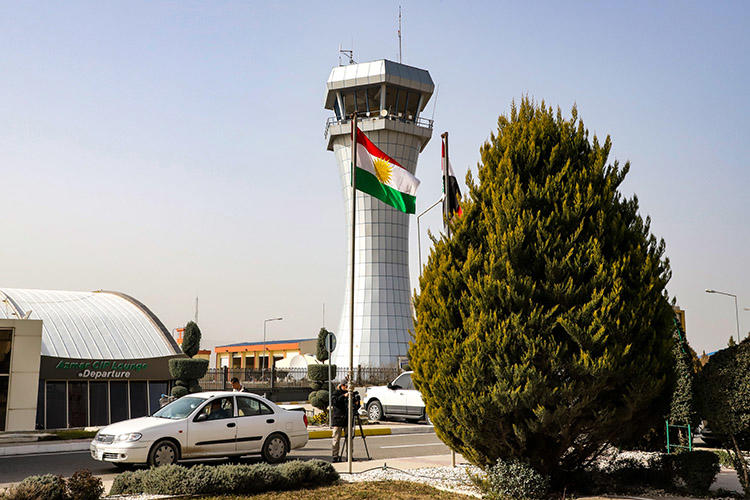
x,y
412,445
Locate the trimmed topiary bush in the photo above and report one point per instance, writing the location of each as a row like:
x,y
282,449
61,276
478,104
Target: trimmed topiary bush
x,y
697,469
225,479
187,369
318,375
82,485
319,399
512,480
191,339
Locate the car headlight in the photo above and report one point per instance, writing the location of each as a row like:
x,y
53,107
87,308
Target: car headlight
x,y
133,436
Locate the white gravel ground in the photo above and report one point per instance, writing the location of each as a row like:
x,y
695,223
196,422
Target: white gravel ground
x,y
453,479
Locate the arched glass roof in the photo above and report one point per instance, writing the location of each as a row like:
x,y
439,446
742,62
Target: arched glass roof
x,y
90,325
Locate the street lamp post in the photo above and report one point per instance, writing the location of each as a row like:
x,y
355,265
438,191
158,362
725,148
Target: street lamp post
x,y
262,366
419,234
736,309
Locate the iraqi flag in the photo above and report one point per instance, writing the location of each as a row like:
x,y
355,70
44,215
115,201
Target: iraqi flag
x,y
453,197
381,176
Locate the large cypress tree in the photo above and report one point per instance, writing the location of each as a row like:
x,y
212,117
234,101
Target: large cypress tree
x,y
543,331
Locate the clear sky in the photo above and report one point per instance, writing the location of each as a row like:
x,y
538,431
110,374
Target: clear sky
x,y
175,149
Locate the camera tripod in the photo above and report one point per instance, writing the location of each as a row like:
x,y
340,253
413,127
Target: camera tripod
x,y
361,434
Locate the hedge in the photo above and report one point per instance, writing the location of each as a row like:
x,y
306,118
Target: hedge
x,y
188,368
697,469
81,486
224,479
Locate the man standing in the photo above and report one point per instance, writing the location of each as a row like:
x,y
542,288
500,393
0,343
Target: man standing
x,y
236,386
339,408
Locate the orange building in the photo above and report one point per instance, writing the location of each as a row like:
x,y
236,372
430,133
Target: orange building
x,y
251,354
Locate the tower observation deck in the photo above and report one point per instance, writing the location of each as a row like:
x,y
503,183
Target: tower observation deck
x,y
388,98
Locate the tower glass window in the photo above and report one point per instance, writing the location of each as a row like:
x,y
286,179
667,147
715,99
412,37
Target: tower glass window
x,y
373,99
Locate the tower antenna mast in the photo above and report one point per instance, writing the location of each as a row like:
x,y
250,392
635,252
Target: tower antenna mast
x,y
347,53
399,34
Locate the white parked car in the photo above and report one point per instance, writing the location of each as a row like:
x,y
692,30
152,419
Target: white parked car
x,y
204,424
397,399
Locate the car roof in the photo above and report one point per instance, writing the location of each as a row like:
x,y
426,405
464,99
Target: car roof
x,y
214,394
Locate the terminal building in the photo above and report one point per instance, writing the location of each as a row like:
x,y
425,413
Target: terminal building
x,y
79,359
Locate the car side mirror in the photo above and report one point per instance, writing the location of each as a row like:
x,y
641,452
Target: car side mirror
x,y
201,417
389,385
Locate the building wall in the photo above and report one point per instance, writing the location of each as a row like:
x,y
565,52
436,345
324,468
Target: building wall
x,y
382,290
24,373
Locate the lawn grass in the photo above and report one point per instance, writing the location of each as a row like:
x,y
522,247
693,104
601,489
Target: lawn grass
x,y
375,490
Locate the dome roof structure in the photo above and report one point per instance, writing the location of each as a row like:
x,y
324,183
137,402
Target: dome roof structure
x,y
90,325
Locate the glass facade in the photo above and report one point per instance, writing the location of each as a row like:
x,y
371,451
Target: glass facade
x,y
118,392
78,404
98,403
6,337
56,415
62,404
400,103
138,399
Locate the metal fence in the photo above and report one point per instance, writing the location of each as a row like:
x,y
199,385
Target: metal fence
x,y
217,379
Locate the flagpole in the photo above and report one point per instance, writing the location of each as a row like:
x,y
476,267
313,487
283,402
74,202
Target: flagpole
x,y
446,202
446,220
349,426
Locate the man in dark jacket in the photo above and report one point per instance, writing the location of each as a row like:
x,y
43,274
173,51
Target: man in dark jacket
x,y
339,407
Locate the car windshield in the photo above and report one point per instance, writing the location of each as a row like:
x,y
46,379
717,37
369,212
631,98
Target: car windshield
x,y
180,408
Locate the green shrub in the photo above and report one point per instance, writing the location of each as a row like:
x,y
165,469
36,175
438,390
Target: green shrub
x,y
191,340
723,394
697,469
512,479
187,368
224,479
48,487
82,485
320,372
128,483
319,399
178,391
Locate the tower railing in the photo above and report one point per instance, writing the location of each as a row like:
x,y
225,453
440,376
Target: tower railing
x,y
363,116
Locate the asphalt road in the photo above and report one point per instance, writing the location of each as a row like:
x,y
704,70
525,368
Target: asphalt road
x,y
16,468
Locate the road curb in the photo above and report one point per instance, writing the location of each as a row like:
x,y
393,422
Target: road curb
x,y
83,445
31,449
379,431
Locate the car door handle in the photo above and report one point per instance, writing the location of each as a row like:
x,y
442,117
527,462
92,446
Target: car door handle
x,y
231,424
270,421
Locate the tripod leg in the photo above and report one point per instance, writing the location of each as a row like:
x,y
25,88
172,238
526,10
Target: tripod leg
x,y
362,434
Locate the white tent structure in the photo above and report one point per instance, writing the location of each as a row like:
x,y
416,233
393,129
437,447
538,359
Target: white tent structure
x,y
297,365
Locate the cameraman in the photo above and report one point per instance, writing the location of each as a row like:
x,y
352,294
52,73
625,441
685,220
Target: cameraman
x,y
339,407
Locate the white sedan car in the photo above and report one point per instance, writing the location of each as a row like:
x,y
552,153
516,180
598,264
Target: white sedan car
x,y
397,399
204,424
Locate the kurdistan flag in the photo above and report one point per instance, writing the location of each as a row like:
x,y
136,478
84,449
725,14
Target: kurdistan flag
x,y
381,176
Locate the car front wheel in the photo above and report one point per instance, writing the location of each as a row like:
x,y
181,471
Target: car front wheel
x,y
274,449
163,453
374,410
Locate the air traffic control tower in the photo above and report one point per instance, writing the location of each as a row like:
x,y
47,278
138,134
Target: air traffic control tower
x,y
388,98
